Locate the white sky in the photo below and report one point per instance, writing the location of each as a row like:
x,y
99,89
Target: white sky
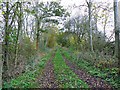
x,y
67,3
109,27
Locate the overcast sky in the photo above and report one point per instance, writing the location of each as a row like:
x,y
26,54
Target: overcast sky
x,y
109,28
70,3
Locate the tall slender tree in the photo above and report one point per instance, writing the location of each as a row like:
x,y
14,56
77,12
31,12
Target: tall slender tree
x,y
6,16
116,28
89,4
19,6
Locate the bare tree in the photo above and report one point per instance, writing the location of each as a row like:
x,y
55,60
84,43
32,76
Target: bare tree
x,y
116,28
89,4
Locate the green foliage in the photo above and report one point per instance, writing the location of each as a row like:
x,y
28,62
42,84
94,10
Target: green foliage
x,y
109,74
76,37
27,48
52,33
28,11
99,41
98,59
28,79
65,77
63,39
51,41
47,10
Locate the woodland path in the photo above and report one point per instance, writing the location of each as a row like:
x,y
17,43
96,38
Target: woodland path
x,y
48,78
93,82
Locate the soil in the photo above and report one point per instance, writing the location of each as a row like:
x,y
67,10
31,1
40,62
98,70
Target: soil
x,y
93,82
47,80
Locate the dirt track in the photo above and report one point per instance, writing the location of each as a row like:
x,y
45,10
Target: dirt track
x,y
47,80
93,82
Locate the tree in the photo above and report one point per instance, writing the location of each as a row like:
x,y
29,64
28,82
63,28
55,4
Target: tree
x,y
89,4
42,13
6,55
12,15
116,28
19,5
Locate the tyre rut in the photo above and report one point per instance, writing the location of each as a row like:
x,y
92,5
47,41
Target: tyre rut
x,y
94,83
47,80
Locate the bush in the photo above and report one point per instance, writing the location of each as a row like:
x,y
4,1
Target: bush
x,y
27,48
98,59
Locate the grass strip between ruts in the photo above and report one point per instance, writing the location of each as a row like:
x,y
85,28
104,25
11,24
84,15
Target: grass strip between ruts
x,y
64,75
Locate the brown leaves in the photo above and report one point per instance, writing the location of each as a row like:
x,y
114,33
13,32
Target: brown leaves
x,y
48,79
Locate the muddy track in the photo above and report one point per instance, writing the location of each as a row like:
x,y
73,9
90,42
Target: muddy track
x,y
47,80
94,83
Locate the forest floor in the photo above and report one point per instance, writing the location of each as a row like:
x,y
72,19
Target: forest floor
x,y
59,72
48,77
92,81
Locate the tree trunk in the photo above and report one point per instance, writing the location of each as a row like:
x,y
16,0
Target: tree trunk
x,y
116,28
90,28
18,31
6,56
105,27
1,66
96,27
37,38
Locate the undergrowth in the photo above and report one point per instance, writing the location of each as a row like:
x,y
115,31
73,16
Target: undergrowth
x,y
110,75
28,79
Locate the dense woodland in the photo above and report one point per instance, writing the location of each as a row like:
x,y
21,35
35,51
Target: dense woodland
x,y
36,52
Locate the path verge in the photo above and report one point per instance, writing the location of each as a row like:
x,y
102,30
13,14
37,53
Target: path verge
x,y
94,83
